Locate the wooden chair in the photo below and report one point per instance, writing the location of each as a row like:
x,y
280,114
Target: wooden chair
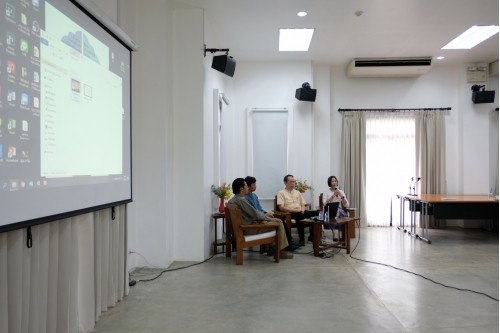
x,y
235,221
288,217
350,210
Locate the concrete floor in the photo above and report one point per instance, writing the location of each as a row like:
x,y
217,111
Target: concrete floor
x,y
338,294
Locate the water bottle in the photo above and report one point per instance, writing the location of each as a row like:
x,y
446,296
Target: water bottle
x,y
320,217
326,217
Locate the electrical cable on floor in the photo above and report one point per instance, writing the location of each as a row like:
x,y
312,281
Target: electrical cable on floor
x,y
404,270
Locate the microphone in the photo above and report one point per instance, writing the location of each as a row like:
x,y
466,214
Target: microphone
x,y
415,185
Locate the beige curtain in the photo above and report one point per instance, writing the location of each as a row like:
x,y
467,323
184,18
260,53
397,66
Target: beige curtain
x,y
75,270
353,170
430,154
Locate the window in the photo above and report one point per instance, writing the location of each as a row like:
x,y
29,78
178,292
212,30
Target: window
x,y
390,163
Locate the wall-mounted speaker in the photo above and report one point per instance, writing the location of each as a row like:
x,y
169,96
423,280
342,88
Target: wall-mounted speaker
x,y
225,64
305,94
480,97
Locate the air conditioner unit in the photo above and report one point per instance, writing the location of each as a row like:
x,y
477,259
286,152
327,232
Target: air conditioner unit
x,y
389,67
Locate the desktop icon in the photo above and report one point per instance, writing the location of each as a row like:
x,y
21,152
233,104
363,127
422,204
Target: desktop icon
x,y
36,77
44,183
36,51
12,152
24,99
0,121
24,72
25,126
10,11
13,184
35,27
30,183
25,153
11,67
36,102
24,45
23,184
11,124
36,3
11,39
11,96
23,19
38,183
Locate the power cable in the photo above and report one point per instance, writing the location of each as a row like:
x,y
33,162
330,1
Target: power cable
x,y
406,271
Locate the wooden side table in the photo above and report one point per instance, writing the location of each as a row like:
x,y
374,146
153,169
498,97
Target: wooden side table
x,y
219,241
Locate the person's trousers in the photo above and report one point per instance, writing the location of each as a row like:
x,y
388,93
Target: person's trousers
x,y
298,216
283,240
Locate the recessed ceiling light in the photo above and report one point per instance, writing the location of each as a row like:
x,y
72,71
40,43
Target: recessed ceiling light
x,y
301,14
295,39
440,57
473,36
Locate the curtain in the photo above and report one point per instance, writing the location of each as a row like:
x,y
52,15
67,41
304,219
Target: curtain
x,y
75,270
430,154
353,165
390,163
430,151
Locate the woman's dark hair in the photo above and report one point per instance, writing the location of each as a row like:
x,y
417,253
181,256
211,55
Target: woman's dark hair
x,y
237,184
286,178
250,180
330,180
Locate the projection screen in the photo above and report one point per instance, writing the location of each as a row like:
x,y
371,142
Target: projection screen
x,y
65,112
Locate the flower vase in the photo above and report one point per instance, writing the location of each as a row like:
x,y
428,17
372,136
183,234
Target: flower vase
x,y
221,206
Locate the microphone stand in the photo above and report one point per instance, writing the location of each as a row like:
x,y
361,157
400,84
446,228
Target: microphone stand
x,y
410,187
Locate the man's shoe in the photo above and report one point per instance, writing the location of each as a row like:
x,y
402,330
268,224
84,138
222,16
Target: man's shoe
x,y
294,243
301,243
285,255
291,247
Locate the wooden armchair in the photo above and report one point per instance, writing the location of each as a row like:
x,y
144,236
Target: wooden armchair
x,y
288,217
235,234
350,210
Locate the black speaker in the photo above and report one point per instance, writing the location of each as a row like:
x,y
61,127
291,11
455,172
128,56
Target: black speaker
x,y
305,94
225,64
479,97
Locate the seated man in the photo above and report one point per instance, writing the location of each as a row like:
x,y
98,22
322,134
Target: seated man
x,y
253,199
290,200
252,216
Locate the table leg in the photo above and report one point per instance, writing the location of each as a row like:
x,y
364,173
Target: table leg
x,y
316,237
215,241
348,239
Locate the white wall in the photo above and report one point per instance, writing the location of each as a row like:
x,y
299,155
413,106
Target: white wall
x,y
218,81
273,84
150,226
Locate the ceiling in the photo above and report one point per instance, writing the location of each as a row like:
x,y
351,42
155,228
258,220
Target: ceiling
x,y
387,28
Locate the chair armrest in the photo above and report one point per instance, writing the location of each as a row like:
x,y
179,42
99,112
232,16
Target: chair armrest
x,y
350,208
259,226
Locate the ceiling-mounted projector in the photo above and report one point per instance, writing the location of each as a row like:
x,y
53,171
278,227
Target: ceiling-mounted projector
x,y
305,93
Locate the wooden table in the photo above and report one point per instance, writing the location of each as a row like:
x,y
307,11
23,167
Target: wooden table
x,y
345,242
447,206
219,241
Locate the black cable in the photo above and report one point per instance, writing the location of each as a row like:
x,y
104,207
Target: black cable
x,y
404,270
176,269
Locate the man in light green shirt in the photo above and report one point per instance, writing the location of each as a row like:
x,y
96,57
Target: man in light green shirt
x,y
252,216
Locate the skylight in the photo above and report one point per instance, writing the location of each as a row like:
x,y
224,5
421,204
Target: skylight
x,y
473,36
295,39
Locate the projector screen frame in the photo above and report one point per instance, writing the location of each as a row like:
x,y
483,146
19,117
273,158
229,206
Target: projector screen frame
x,y
96,15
